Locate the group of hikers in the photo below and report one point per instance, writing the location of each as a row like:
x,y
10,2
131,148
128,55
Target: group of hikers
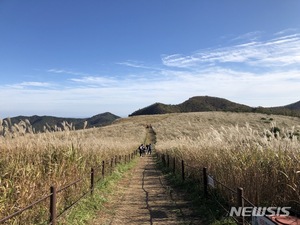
x,y
144,150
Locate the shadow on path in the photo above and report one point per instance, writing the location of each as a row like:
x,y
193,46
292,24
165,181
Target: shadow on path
x,y
148,200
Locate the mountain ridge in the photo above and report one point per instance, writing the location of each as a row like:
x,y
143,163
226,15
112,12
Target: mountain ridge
x,y
208,103
193,104
39,122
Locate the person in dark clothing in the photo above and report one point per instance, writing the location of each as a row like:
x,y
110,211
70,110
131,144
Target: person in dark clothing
x,y
141,149
149,149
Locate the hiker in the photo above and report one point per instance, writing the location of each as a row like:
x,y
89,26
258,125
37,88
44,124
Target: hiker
x,y
149,149
141,149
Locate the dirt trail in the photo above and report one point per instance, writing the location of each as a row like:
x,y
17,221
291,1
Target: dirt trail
x,y
146,198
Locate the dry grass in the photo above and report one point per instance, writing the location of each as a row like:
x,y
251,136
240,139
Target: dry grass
x,y
30,164
239,150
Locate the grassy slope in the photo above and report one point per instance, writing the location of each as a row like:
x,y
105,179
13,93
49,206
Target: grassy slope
x,y
218,119
162,124
208,120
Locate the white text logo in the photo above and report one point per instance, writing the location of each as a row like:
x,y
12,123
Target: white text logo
x,y
259,211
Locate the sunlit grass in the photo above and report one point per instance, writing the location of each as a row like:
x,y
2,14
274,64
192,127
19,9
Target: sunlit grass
x,y
239,150
31,163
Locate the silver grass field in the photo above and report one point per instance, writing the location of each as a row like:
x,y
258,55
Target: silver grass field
x,y
239,149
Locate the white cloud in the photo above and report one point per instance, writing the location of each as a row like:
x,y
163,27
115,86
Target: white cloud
x,y
68,72
178,60
102,81
32,84
286,31
122,98
133,64
35,84
254,35
256,73
282,51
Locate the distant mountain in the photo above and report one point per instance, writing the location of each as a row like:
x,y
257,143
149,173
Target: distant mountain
x,y
207,103
156,108
101,119
38,122
287,110
294,106
194,104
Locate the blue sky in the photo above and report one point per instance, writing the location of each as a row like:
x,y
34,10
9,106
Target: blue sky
x,y
77,58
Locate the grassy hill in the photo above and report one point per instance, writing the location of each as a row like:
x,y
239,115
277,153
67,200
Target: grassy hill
x,y
207,103
157,108
194,104
38,122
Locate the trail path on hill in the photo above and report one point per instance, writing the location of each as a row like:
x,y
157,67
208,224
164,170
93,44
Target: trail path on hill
x,y
148,199
145,197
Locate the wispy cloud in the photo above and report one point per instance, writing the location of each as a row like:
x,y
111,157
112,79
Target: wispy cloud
x,y
30,85
96,81
265,73
138,65
90,97
35,84
131,63
68,72
277,52
251,36
286,31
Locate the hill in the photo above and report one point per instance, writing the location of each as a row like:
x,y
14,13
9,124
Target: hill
x,y
194,104
287,110
294,106
207,103
38,122
157,108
